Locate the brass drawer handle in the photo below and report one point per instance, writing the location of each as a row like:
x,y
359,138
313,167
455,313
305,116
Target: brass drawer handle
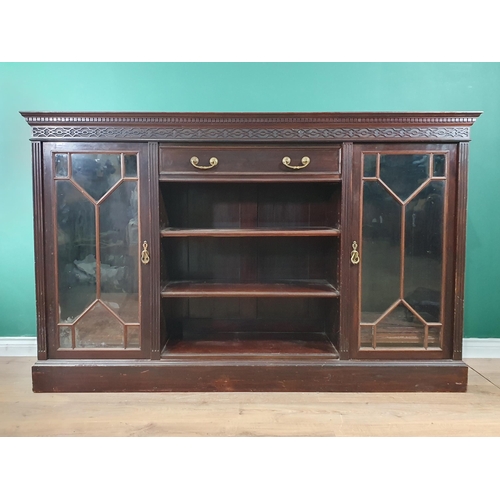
x,y
305,161
355,253
145,253
213,162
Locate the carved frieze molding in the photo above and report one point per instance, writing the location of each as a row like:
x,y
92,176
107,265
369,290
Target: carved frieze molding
x,y
249,134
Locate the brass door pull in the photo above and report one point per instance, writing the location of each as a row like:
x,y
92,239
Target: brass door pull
x,y
145,253
213,162
305,161
355,253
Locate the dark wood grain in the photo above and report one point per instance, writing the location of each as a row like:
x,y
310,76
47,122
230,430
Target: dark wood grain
x,y
236,120
252,375
460,225
240,161
252,127
348,226
239,260
291,289
153,305
251,178
230,344
452,228
256,232
249,205
40,271
49,247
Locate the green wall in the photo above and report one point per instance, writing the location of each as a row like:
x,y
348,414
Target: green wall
x,y
248,87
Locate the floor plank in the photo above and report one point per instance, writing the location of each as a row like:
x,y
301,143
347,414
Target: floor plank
x,y
474,413
490,368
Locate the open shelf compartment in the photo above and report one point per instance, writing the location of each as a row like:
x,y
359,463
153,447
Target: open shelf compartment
x,y
244,326
239,209
250,269
283,263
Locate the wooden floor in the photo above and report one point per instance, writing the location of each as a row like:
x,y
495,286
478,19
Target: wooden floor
x,y
475,413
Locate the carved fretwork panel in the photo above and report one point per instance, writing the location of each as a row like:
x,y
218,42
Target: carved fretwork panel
x,y
248,134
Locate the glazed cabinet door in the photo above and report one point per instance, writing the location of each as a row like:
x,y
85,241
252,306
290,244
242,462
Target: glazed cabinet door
x,y
96,250
401,250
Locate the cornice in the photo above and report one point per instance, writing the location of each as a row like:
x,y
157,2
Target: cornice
x,y
250,126
99,118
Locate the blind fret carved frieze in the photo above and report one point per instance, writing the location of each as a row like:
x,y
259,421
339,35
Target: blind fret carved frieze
x,y
243,134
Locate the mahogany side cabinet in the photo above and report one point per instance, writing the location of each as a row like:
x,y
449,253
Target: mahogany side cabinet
x,y
250,251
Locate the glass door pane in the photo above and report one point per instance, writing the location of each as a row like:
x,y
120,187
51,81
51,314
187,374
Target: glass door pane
x,y
402,240
97,245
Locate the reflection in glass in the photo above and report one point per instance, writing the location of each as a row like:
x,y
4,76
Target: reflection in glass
x,y
61,164
133,336
439,165
76,251
404,173
380,250
410,288
65,340
120,251
370,166
99,328
96,173
130,165
424,250
435,336
126,306
400,328
366,333
98,298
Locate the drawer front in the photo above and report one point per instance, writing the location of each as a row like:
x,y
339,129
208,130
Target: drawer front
x,y
267,162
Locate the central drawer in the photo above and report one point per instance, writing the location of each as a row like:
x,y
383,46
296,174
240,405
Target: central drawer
x,y
250,162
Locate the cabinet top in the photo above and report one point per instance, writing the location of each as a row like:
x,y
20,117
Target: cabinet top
x,y
359,126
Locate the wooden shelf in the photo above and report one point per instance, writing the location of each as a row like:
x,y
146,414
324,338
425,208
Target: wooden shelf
x,y
250,343
305,288
249,232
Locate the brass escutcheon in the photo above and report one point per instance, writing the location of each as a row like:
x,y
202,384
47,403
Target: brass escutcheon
x,y
355,253
145,253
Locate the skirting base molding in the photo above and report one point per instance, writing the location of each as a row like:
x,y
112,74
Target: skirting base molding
x,y
472,348
481,348
18,346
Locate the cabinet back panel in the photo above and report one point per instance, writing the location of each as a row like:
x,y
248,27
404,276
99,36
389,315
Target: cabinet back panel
x,y
248,314
250,260
229,206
